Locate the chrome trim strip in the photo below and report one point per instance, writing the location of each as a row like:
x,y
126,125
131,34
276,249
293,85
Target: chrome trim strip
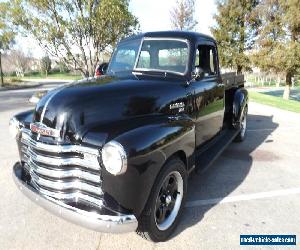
x,y
139,53
26,139
55,92
63,161
121,223
60,173
65,185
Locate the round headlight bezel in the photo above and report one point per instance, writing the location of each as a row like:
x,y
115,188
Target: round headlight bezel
x,y
14,127
114,170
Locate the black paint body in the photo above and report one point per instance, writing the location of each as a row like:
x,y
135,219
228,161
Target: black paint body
x,y
134,110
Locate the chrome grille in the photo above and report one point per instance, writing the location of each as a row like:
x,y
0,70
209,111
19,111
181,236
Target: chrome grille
x,y
64,172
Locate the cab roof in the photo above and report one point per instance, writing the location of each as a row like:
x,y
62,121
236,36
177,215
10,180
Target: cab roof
x,y
188,35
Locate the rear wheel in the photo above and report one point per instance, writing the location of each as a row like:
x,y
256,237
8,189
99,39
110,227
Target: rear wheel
x,y
243,127
165,204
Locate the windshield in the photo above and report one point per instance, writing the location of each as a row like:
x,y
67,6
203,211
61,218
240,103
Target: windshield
x,y
165,55
124,57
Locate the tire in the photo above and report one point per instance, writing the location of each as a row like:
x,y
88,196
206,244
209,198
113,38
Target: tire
x,y
243,127
161,215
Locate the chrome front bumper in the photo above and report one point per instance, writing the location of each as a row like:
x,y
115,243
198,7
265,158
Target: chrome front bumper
x,y
98,222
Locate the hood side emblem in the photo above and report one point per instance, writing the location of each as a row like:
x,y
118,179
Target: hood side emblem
x,y
178,105
42,129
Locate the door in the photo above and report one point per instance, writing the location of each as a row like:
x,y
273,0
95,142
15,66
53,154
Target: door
x,y
208,96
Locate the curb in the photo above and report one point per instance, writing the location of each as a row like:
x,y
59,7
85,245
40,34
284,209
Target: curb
x,y
17,87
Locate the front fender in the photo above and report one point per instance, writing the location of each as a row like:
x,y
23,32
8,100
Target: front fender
x,y
148,147
240,101
25,118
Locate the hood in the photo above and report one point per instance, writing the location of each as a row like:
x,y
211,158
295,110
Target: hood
x,y
79,107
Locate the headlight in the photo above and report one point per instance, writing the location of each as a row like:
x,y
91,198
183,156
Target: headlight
x,y
14,127
114,158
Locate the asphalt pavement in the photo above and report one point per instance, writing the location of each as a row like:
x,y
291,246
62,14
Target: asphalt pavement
x,y
253,188
14,99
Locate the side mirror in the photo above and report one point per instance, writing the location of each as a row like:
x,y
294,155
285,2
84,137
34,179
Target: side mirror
x,y
197,74
101,69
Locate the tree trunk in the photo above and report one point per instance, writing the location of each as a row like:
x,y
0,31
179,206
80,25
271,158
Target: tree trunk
x,y
288,83
85,73
278,82
1,72
239,69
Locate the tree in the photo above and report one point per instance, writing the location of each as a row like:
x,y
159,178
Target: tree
x,y
20,61
235,32
62,66
183,15
278,44
75,31
46,65
6,33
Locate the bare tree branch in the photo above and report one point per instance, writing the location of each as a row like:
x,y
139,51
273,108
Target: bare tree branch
x,y
183,15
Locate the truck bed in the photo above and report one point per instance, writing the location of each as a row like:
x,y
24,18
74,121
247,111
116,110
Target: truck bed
x,y
232,80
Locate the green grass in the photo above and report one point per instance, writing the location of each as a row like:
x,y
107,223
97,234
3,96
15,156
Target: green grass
x,y
272,83
64,76
14,81
11,81
273,101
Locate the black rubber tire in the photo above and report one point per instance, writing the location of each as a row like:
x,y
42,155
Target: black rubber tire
x,y
147,227
242,135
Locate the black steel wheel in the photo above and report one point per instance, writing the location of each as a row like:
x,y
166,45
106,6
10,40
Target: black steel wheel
x,y
165,204
169,200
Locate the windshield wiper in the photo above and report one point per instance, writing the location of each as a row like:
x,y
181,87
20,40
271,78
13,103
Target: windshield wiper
x,y
154,72
136,72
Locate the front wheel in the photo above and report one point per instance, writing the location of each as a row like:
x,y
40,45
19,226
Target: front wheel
x,y
165,204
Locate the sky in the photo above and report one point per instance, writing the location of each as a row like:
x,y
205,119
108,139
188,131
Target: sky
x,y
153,15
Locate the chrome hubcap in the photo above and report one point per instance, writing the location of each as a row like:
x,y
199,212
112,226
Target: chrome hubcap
x,y
168,201
244,126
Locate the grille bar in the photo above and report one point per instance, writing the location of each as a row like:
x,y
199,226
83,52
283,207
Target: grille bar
x,y
53,161
26,139
68,177
69,197
61,174
65,185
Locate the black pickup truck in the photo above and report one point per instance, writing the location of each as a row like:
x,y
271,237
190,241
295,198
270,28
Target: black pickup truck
x,y
113,153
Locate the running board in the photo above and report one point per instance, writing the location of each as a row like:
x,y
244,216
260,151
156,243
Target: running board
x,y
205,156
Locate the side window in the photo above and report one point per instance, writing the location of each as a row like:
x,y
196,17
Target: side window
x,y
206,58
